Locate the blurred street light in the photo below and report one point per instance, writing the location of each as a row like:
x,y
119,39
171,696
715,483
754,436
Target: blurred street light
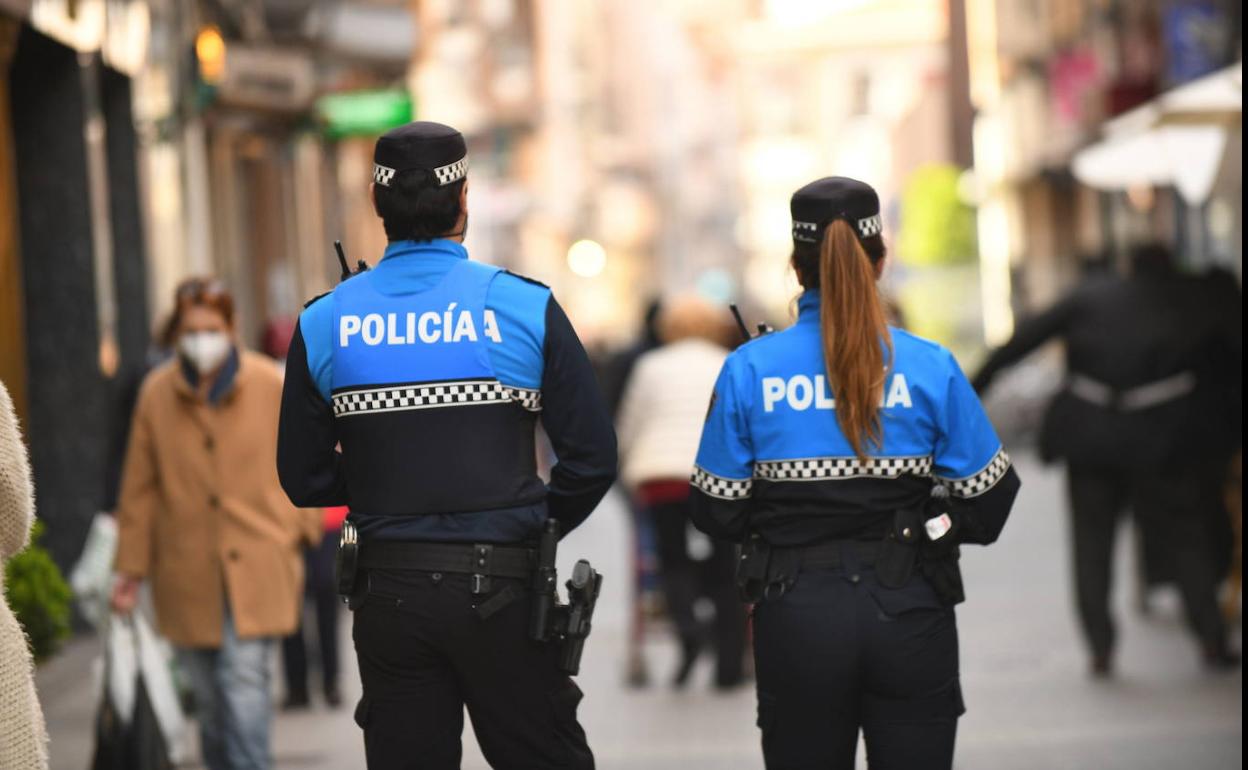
x,y
210,51
587,258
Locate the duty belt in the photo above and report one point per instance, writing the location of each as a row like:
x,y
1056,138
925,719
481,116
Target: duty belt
x,y
832,554
768,572
1132,399
482,560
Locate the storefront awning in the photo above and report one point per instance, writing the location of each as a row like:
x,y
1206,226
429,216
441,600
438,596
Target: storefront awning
x,y
1176,139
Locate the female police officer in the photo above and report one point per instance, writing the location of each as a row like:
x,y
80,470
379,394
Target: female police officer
x,y
851,459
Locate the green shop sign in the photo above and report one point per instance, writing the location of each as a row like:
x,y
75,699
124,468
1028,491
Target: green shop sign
x,y
364,113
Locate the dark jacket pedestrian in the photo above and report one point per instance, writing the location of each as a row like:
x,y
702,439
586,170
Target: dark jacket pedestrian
x,y
1145,410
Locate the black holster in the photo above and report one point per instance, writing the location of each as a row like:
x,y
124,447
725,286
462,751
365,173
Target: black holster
x,y
906,548
942,571
752,569
566,624
900,550
938,559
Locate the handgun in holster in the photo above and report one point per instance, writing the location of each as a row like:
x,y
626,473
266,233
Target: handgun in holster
x,y
567,624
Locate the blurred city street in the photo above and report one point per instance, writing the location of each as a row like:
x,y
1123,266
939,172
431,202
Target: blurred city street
x,y
420,276
1030,704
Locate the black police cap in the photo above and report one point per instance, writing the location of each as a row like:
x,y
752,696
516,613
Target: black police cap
x,y
432,147
824,201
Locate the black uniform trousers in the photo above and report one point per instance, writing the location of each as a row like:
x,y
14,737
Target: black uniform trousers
x,y
838,653
685,580
1166,503
425,652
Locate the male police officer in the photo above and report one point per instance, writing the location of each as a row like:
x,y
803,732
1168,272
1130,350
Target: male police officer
x,y
430,372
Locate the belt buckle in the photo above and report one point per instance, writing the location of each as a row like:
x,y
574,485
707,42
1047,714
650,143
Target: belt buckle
x,y
483,564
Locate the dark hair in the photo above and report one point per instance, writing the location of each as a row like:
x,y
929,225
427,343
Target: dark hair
x,y
199,292
415,208
853,326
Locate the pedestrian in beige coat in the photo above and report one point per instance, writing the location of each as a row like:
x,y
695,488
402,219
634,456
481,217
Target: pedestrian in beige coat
x,y
202,517
23,739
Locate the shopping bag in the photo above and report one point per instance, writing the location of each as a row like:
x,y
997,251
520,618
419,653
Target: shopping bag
x,y
139,725
155,657
137,744
92,577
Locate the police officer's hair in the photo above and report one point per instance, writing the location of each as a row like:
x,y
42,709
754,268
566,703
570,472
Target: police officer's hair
x,y
852,321
415,208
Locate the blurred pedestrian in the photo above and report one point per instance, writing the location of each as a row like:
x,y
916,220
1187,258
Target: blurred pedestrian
x,y
660,421
1146,413
323,593
125,387
614,376
412,394
820,454
202,517
318,577
618,369
23,737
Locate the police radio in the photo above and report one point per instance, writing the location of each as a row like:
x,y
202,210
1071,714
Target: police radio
x,y
745,331
347,272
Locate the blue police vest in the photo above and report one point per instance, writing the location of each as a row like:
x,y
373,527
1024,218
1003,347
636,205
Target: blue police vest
x,y
425,424
772,437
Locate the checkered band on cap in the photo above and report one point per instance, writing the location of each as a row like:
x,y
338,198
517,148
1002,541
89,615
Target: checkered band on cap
x,y
382,174
443,394
870,226
452,172
805,231
831,468
979,483
809,231
720,487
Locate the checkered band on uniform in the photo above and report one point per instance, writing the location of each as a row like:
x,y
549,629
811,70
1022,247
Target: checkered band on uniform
x,y
979,483
720,487
529,398
829,468
870,226
805,231
452,172
443,394
382,175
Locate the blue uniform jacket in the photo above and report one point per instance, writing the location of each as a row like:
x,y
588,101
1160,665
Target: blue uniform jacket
x,y
773,458
412,394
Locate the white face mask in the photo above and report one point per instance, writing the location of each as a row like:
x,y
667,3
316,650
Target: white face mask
x,y
205,350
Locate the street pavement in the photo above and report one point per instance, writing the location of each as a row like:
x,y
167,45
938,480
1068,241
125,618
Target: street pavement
x,y
1030,703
